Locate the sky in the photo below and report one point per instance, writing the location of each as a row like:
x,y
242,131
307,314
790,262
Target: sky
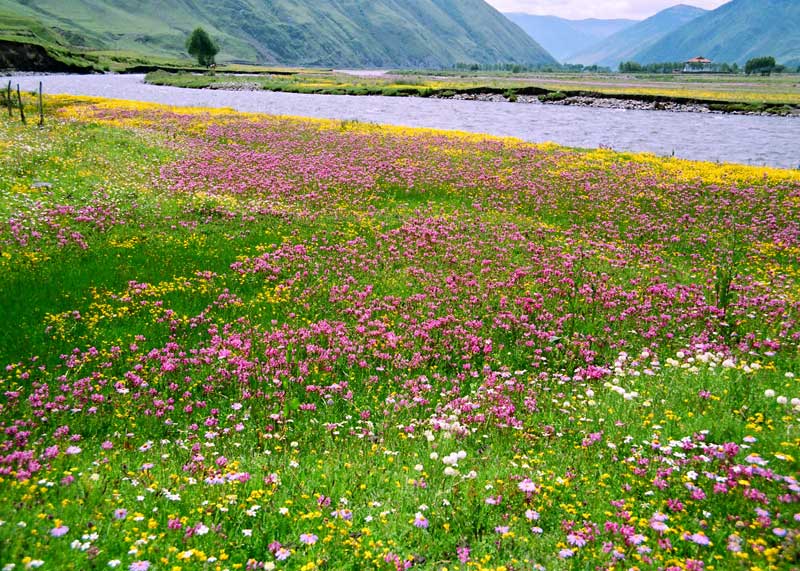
x,y
579,9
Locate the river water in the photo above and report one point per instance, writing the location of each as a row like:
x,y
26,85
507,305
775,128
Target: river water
x,y
753,140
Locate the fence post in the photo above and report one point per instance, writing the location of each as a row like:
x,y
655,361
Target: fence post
x,y
8,99
21,108
41,107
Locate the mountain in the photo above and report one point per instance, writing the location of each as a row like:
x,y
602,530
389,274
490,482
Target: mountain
x,y
624,45
734,32
562,37
341,33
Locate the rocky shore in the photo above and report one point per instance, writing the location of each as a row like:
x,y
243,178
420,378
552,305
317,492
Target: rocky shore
x,y
610,103
581,100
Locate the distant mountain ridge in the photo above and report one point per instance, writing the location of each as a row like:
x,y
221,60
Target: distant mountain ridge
x,y
562,37
628,43
734,32
330,33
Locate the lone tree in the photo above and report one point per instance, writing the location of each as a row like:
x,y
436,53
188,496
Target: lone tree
x,y
763,65
201,46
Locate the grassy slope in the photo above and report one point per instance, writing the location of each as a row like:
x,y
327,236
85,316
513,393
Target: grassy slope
x,y
735,32
329,32
623,45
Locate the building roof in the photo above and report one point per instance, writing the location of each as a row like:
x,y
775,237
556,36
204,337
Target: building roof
x,y
699,59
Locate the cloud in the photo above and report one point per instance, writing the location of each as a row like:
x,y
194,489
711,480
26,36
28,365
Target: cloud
x,y
577,9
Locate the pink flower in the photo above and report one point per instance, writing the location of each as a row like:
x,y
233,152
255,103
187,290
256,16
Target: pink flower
x,y
420,521
699,539
527,486
566,553
59,531
139,566
282,554
308,538
576,540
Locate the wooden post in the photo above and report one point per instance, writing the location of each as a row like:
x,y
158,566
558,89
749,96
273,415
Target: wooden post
x,y
41,107
8,99
21,108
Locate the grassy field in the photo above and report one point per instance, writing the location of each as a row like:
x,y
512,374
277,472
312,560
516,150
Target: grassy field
x,y
237,341
779,94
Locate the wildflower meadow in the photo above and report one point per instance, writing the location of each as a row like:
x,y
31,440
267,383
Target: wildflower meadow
x,y
242,342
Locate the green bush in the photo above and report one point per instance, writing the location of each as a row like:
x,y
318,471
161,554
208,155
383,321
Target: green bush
x,y
552,97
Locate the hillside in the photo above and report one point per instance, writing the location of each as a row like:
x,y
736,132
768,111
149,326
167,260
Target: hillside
x,y
735,32
562,37
625,44
358,33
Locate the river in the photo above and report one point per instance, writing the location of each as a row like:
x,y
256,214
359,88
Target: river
x,y
752,140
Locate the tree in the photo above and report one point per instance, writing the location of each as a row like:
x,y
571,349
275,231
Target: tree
x,y
630,67
201,46
763,65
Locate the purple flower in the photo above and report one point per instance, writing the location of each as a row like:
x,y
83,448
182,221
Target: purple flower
x,y
282,554
576,540
420,521
59,531
139,566
699,539
308,538
566,553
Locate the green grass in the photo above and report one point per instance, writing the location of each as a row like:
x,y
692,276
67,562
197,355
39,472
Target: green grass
x,y
205,371
748,95
320,34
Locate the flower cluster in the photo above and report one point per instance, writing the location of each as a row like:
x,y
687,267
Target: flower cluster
x,y
284,343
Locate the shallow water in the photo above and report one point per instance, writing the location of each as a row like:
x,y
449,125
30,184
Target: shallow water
x,y
773,141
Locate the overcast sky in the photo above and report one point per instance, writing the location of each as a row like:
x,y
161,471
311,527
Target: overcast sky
x,y
577,9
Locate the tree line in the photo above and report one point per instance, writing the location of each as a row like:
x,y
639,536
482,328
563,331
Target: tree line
x,y
765,65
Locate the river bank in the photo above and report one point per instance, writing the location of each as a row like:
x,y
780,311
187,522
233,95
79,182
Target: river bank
x,y
519,92
627,104
751,140
555,98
